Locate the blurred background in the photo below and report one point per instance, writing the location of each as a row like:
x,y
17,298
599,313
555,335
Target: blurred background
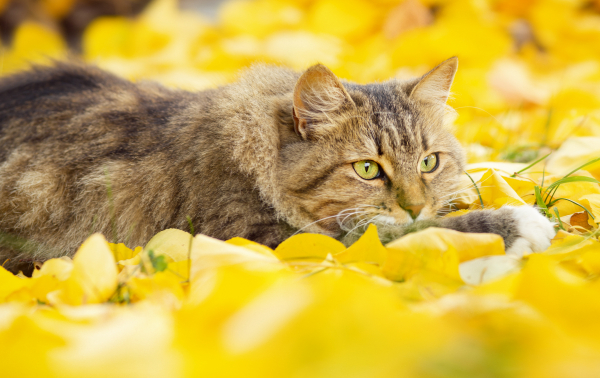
x,y
529,72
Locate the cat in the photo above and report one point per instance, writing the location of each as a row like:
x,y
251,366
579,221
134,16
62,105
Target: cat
x,y
276,153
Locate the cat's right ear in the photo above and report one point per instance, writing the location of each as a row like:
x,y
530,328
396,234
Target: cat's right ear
x,y
435,85
318,92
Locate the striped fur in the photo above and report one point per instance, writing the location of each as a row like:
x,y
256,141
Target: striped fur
x,y
84,151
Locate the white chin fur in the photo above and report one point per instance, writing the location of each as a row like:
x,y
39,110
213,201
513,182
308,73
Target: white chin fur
x,y
386,219
535,231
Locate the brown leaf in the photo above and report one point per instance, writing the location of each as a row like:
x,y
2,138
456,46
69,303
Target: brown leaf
x,y
410,14
581,220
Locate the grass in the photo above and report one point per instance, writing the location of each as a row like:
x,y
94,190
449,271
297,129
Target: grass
x,y
545,196
476,188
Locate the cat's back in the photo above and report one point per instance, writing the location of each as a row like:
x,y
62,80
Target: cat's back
x,y
42,88
73,103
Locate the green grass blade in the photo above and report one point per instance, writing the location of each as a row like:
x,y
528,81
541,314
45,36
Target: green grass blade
x,y
476,188
530,165
573,202
192,232
539,200
560,223
550,194
547,126
566,179
111,206
543,175
582,166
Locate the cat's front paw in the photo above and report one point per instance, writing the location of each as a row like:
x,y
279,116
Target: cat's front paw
x,y
534,230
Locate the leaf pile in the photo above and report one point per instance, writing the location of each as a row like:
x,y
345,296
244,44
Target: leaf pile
x,y
436,303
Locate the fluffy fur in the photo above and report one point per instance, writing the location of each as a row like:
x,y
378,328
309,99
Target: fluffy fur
x,y
271,155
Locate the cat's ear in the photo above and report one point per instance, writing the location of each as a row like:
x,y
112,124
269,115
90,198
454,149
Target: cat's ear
x,y
318,92
435,85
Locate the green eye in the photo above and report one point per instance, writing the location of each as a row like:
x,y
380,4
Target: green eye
x,y
429,164
366,169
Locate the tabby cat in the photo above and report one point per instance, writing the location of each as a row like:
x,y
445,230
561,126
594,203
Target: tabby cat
x,y
275,153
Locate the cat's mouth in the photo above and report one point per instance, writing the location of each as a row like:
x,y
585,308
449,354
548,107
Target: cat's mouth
x,y
351,223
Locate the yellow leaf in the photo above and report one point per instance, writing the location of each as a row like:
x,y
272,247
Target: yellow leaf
x,y
106,37
592,203
431,284
172,243
343,18
574,191
133,341
179,269
32,43
209,253
256,247
504,285
308,247
367,248
49,277
496,191
495,187
9,284
17,348
94,275
438,250
259,18
57,268
156,286
590,261
573,153
121,252
564,242
300,49
560,295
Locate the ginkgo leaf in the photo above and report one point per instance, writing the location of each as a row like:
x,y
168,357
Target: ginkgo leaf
x,y
121,252
9,284
241,242
308,247
438,250
93,278
172,243
367,248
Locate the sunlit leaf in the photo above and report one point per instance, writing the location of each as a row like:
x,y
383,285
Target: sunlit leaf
x,y
93,278
438,250
367,248
308,247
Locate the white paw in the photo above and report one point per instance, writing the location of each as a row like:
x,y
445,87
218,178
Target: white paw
x,y
535,231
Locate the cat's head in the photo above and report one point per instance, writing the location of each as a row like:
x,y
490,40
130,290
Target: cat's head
x,y
378,153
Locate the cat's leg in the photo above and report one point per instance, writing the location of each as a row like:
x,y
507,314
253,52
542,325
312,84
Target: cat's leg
x,y
523,228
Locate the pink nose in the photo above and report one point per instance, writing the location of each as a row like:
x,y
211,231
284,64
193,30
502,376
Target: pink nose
x,y
414,210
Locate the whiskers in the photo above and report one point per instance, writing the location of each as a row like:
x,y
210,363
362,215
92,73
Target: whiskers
x,y
354,221
345,218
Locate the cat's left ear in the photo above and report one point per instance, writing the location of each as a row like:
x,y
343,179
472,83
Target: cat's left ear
x,y
318,92
435,85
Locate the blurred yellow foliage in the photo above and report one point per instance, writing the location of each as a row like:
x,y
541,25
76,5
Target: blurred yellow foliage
x,y
435,303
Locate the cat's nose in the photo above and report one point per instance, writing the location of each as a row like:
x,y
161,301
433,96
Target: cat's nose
x,y
414,210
